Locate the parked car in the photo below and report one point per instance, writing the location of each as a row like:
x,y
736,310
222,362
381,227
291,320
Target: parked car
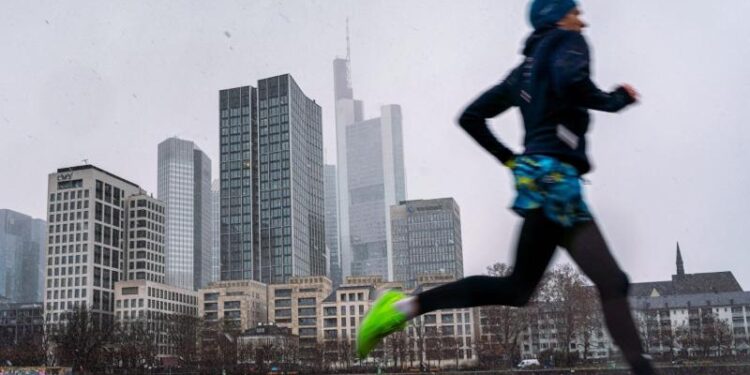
x,y
528,363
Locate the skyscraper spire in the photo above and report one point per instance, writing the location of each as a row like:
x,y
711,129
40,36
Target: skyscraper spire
x,y
680,265
348,49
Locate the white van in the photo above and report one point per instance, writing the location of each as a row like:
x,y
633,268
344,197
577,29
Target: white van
x,y
526,363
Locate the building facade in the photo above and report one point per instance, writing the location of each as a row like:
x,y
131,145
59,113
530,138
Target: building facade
x,y
238,143
20,323
698,314
86,240
272,224
443,336
297,305
279,342
184,185
21,257
237,305
215,231
426,239
331,227
158,308
145,255
371,178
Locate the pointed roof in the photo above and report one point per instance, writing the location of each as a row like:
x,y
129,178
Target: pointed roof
x,y
680,264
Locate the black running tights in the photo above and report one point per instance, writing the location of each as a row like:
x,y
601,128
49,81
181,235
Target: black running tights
x,y
536,244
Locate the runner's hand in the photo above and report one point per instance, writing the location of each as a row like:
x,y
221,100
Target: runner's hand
x,y
631,91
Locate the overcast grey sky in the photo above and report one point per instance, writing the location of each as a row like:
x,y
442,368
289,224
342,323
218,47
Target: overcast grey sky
x,y
108,81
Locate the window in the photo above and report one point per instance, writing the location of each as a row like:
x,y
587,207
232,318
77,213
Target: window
x,y
306,311
306,301
283,312
210,306
234,314
232,304
99,189
129,291
307,321
307,331
430,319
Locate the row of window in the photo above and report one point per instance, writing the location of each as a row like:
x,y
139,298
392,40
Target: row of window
x,y
63,228
331,310
65,206
56,218
172,296
147,204
65,271
302,311
67,238
68,195
66,294
58,282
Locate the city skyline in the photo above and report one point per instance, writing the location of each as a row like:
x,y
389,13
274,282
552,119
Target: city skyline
x,y
641,220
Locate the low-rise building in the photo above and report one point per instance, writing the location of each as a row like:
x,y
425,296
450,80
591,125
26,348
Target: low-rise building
x,y
20,322
268,341
297,305
156,305
237,305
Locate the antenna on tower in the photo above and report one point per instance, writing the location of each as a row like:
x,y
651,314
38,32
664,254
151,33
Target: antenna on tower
x,y
348,49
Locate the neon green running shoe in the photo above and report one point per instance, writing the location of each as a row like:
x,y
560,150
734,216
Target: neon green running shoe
x,y
382,320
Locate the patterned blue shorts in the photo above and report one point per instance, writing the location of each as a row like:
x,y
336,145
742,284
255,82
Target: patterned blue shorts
x,y
547,183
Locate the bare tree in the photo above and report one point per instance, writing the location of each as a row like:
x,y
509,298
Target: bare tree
x,y
397,346
24,348
182,333
589,319
501,327
568,295
245,352
684,339
418,338
135,345
435,345
669,339
81,338
716,335
331,352
345,351
452,348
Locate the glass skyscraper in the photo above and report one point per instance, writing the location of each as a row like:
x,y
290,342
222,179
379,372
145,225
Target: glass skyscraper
x,y
371,178
21,257
332,231
215,230
426,237
184,185
272,225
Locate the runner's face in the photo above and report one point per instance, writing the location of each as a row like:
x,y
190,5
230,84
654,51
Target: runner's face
x,y
572,21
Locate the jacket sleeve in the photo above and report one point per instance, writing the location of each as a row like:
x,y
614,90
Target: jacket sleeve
x,y
572,78
490,104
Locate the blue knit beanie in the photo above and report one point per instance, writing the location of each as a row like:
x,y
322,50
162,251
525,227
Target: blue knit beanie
x,y
548,12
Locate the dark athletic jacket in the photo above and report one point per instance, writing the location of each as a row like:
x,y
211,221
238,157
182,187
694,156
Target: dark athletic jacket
x,y
553,89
